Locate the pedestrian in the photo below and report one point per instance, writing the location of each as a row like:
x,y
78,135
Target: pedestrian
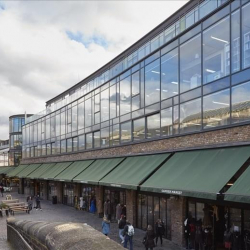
x,y
118,212
30,203
124,210
159,230
149,238
107,209
121,225
105,226
81,203
128,234
92,205
38,202
1,188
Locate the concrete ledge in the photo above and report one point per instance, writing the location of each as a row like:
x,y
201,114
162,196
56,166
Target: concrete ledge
x,y
58,235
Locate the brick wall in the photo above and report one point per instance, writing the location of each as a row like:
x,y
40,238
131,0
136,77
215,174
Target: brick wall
x,y
131,206
231,136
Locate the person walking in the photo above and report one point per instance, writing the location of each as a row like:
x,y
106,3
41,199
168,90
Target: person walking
x,y
159,230
30,203
105,226
121,225
38,202
128,234
1,188
107,209
92,205
149,238
118,212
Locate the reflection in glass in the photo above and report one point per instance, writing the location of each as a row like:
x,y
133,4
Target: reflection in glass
x,y
89,141
81,142
135,102
246,35
153,126
235,40
105,105
152,82
47,130
241,103
216,51
216,109
97,117
63,121
97,139
105,137
69,120
48,150
190,116
167,122
81,115
75,143
52,128
139,129
125,96
126,132
190,64
69,145
112,101
63,147
136,83
116,135
169,74
74,119
97,103
88,114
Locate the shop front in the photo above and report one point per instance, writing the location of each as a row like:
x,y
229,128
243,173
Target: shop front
x,y
68,194
52,190
29,187
42,189
88,195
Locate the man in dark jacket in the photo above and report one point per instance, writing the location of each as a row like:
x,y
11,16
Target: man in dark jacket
x,y
159,230
121,225
128,234
38,202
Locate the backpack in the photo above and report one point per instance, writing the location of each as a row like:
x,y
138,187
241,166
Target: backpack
x,y
131,230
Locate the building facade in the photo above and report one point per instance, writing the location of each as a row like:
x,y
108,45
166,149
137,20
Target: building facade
x,y
4,150
163,128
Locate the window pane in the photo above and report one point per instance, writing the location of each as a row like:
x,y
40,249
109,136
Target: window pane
x,y
97,142
153,126
88,115
216,51
105,105
235,26
116,135
48,149
125,96
167,122
126,132
139,129
63,146
169,74
69,120
63,121
240,103
69,145
207,7
81,116
47,130
97,103
190,116
74,118
190,64
81,142
216,109
112,98
105,137
246,35
136,83
97,118
75,144
89,141
135,103
152,82
53,129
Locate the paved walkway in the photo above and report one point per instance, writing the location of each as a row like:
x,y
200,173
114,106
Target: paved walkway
x,y
62,213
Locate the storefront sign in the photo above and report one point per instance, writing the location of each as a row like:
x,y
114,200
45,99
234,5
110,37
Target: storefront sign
x,y
171,191
62,180
84,182
115,185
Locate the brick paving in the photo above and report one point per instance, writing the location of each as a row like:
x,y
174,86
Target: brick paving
x,y
62,213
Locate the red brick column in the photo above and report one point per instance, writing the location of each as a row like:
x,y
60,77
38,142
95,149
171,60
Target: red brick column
x,y
131,206
99,200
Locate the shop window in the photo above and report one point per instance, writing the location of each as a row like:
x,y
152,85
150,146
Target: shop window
x,y
247,220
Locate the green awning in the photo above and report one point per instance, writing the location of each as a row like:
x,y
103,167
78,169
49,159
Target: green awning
x,y
55,170
26,171
240,191
133,170
97,170
17,170
201,173
41,170
73,170
5,170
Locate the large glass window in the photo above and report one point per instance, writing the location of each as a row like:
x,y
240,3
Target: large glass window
x,y
139,129
69,145
216,109
241,103
190,64
126,132
112,98
105,105
190,116
81,142
81,115
216,51
89,141
69,120
57,126
153,126
152,82
246,35
105,137
53,128
88,114
74,119
235,40
47,129
63,122
116,135
169,74
97,141
136,83
63,146
125,96
167,122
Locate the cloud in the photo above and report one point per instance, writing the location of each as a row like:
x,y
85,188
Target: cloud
x,y
48,46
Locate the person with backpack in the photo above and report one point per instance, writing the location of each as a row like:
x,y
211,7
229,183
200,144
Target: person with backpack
x,y
121,225
128,234
149,238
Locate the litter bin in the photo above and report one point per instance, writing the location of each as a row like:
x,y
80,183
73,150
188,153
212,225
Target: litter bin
x,y
54,199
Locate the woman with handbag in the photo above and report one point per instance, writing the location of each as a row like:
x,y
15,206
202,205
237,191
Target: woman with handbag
x,y
148,240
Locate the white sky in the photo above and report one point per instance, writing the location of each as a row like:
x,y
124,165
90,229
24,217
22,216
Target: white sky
x,y
39,58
